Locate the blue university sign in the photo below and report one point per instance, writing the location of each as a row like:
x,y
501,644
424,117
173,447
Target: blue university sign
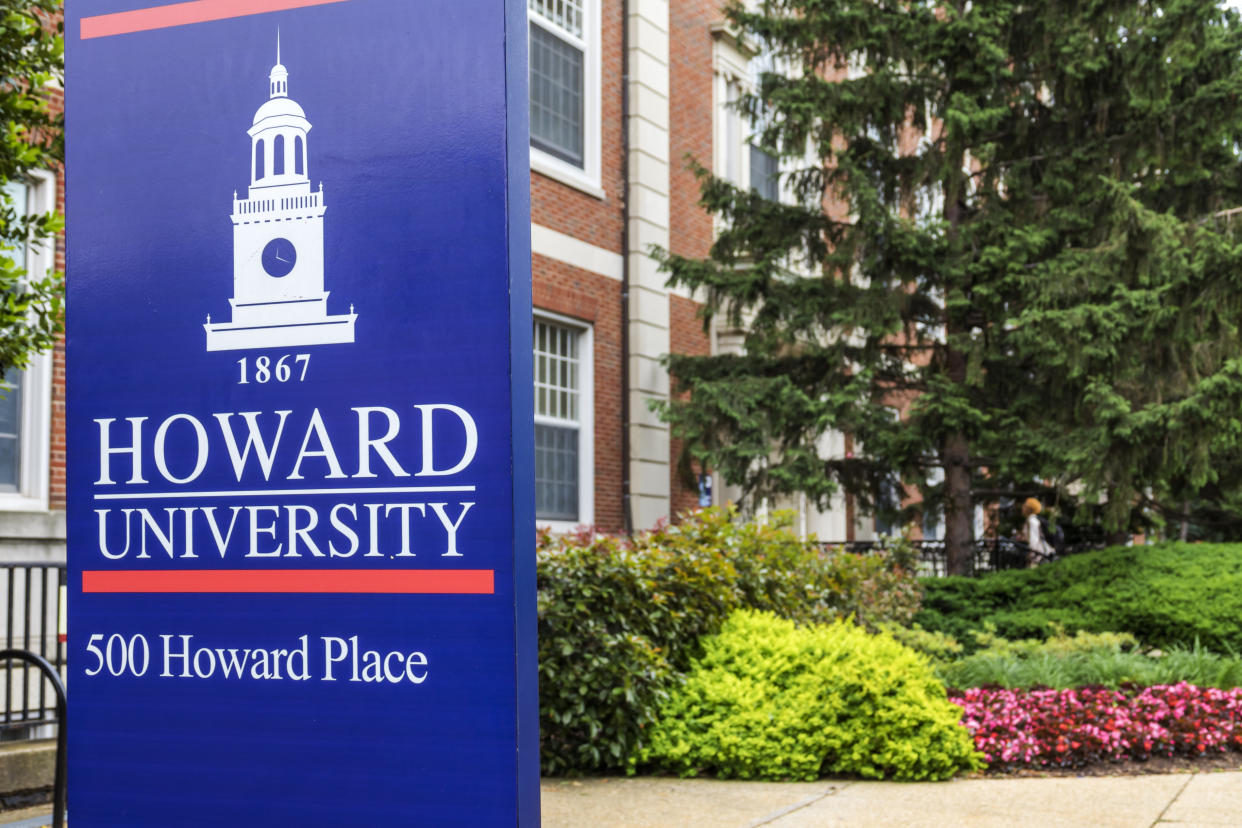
x,y
301,528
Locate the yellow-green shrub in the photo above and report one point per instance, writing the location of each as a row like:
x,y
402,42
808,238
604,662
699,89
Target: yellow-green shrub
x,y
771,700
621,620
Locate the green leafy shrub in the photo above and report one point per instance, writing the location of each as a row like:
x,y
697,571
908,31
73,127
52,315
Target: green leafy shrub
x,y
620,621
937,646
613,622
1166,595
771,700
1059,643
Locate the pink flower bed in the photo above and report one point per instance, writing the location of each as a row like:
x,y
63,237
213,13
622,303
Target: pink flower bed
x,y
1072,728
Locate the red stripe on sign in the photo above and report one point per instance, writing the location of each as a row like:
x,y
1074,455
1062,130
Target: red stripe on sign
x,y
181,14
398,581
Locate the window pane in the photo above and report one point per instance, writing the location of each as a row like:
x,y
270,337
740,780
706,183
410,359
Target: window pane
x,y
765,173
11,404
556,374
10,431
556,73
16,191
556,472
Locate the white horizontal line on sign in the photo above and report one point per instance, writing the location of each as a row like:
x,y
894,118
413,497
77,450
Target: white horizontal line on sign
x,y
283,492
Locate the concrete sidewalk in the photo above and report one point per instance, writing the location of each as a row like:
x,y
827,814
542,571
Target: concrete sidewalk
x,y
1200,799
37,817
1184,799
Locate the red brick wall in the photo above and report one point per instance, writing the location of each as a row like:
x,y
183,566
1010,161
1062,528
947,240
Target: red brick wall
x,y
578,214
563,289
690,227
686,336
567,290
690,113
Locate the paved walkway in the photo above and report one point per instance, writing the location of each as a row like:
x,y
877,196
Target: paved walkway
x,y
1184,800
37,817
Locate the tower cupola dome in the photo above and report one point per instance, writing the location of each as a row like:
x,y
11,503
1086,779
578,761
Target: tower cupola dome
x,y
278,135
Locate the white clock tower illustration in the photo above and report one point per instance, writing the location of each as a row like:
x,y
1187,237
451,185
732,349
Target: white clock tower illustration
x,y
278,294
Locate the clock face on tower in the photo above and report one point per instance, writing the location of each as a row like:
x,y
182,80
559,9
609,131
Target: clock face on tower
x,y
279,257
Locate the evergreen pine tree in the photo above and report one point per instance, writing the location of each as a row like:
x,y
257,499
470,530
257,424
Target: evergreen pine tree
x,y
1010,225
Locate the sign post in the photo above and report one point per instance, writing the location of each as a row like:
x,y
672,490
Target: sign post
x,y
299,436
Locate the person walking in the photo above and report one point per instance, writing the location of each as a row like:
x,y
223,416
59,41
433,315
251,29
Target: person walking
x,y
1032,534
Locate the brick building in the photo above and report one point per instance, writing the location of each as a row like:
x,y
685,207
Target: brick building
x,y
623,93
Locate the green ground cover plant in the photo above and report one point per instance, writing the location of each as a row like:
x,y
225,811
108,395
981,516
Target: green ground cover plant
x,y
1168,595
621,621
772,700
1111,660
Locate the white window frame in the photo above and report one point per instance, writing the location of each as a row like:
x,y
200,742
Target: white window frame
x,y
586,421
732,78
36,414
587,178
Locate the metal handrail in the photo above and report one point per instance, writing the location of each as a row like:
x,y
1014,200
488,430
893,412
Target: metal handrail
x,y
59,793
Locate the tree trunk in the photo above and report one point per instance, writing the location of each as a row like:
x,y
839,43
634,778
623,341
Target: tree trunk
x,y
958,519
1184,534
958,515
955,453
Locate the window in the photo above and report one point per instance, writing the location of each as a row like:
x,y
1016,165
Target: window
x,y
564,90
733,62
564,446
933,518
556,96
738,69
765,173
278,155
25,410
888,501
11,431
299,155
258,159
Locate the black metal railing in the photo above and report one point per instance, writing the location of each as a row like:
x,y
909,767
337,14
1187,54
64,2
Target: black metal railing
x,y
987,555
50,675
33,619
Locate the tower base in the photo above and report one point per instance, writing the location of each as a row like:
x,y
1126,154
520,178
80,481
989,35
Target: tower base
x,y
327,330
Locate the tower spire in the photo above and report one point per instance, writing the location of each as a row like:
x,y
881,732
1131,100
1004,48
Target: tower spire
x,y
279,78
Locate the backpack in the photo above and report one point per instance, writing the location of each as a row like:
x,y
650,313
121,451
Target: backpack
x,y
1055,539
